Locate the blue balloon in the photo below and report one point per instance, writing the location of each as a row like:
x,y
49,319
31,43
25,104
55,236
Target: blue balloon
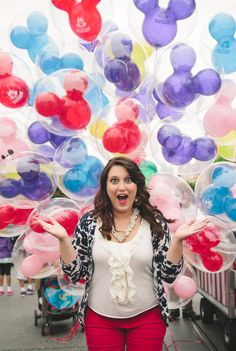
x,y
75,180
213,198
74,152
223,175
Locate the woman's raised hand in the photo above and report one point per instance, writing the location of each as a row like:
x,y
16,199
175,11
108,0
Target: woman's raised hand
x,y
189,228
54,228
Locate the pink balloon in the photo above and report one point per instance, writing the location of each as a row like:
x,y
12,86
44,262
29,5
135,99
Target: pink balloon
x,y
126,108
185,287
10,144
174,213
32,265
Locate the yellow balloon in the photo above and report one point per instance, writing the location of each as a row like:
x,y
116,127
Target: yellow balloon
x,y
139,56
227,152
98,128
228,139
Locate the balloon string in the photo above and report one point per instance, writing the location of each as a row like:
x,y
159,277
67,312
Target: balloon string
x,y
70,334
174,342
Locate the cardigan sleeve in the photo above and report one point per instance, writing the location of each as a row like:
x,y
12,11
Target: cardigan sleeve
x,y
78,269
169,270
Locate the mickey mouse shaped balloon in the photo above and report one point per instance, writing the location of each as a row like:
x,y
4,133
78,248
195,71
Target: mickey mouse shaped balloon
x,y
34,37
160,25
72,110
222,28
84,18
181,88
14,92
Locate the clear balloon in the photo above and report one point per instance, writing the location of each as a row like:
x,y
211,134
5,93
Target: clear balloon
x,y
183,289
62,101
173,196
76,170
120,130
212,249
121,59
184,83
27,177
215,191
74,289
174,148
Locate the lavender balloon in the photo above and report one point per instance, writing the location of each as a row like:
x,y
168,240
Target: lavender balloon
x,y
160,25
182,154
169,137
204,149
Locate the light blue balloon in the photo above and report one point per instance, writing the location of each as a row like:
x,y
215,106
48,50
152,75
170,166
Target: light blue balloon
x,y
213,198
224,176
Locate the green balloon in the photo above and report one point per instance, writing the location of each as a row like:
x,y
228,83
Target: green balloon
x,y
148,168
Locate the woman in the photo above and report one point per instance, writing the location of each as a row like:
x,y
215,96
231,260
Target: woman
x,y
122,248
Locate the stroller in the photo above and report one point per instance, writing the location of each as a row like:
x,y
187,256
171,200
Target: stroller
x,y
54,304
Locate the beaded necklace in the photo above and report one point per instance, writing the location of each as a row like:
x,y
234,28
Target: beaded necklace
x,y
121,235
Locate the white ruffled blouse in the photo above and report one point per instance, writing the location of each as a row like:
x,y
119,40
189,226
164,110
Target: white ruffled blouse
x,y
125,269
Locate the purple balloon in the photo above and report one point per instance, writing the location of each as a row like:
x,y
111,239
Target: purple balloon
x,y
182,58
9,188
115,70
57,140
132,79
207,82
178,90
163,111
182,8
146,6
169,137
37,189
182,154
38,134
28,168
205,149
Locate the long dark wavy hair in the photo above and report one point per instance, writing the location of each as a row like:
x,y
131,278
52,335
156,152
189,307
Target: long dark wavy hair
x,y
103,206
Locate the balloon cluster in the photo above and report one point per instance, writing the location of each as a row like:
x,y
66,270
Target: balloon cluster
x,y
84,18
10,144
76,172
222,29
14,92
31,182
181,88
160,25
72,109
219,197
179,149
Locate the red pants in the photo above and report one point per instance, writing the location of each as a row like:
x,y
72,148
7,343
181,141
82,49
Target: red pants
x,y
144,332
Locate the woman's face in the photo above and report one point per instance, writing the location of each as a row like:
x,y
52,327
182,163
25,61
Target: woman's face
x,y
120,189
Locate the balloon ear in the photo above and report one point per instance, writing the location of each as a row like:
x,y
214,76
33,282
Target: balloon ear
x,y
64,5
146,6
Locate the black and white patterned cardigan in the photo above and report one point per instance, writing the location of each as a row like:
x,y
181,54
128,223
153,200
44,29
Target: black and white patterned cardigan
x,y
82,267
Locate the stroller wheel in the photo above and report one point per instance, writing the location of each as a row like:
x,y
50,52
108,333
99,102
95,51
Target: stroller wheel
x,y
36,317
46,327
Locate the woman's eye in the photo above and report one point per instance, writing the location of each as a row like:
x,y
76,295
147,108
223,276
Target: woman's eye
x,y
128,180
113,181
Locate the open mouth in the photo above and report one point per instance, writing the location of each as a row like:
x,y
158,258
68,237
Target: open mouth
x,y
122,199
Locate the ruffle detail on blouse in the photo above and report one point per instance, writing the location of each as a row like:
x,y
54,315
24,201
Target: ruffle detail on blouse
x,y
122,288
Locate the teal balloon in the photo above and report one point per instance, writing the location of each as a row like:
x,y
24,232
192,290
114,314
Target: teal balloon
x,y
148,168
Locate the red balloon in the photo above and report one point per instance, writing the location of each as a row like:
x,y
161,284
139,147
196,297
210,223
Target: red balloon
x,y
77,113
47,104
68,219
212,260
14,92
6,214
85,20
205,239
34,224
132,135
113,139
21,215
